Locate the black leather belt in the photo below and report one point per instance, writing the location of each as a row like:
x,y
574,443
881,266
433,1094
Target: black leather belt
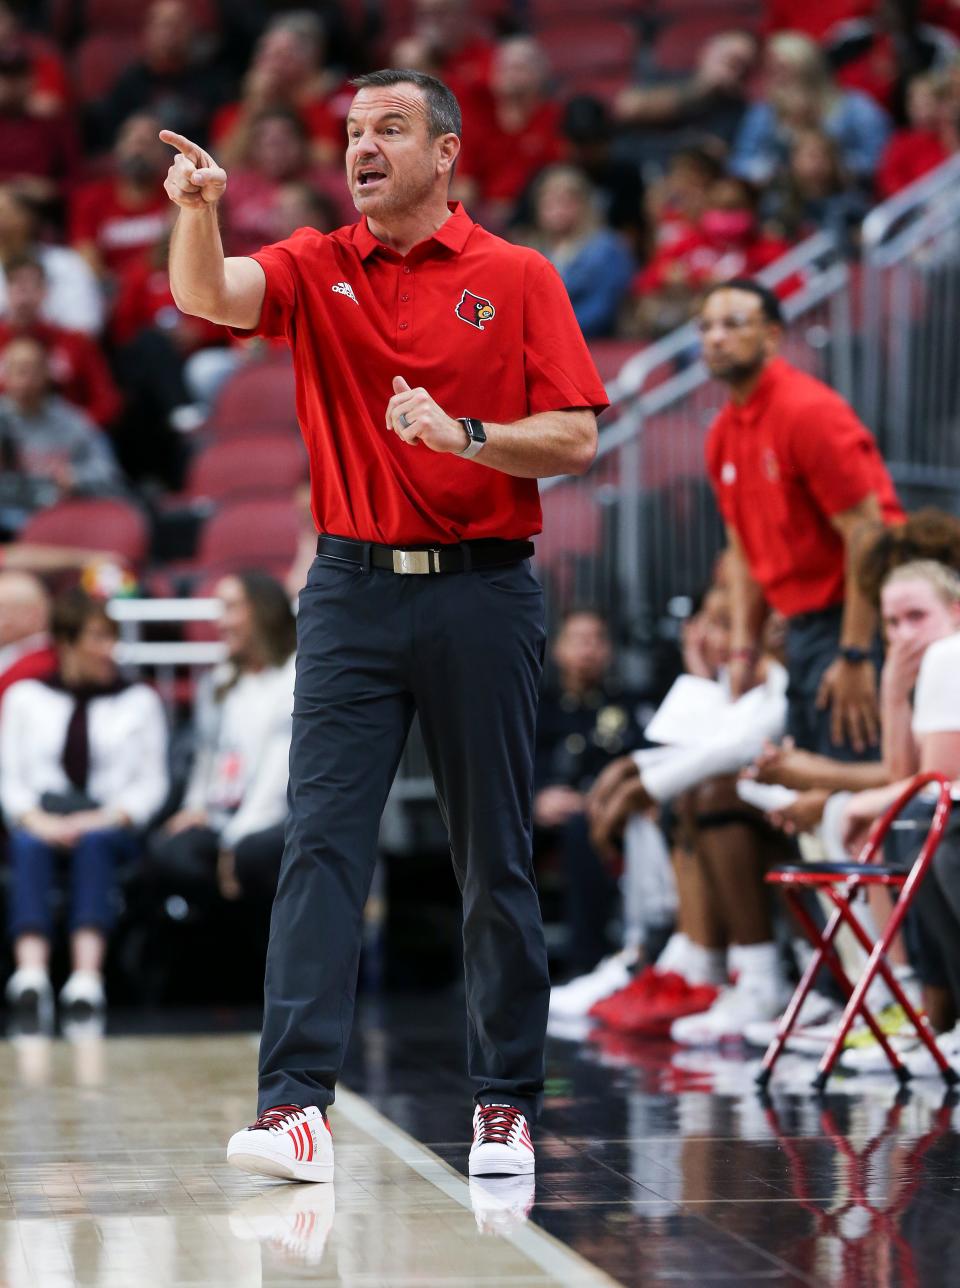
x,y
425,560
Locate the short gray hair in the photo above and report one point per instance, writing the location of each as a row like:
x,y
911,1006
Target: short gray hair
x,y
443,110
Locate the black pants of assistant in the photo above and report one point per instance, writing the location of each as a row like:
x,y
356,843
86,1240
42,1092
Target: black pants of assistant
x,y
465,651
813,643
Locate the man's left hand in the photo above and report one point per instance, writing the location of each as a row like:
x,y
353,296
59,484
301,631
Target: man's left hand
x,y
849,689
414,416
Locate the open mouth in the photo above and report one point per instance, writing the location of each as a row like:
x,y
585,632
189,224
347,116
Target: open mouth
x,y
370,178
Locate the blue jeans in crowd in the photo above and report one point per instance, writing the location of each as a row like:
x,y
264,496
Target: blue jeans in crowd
x,y
92,865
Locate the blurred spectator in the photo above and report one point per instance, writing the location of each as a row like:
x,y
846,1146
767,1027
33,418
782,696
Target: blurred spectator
x,y
618,184
73,299
115,219
727,241
676,202
49,93
82,768
277,154
815,193
593,261
463,55
39,152
153,340
932,134
584,721
241,23
800,94
78,369
287,72
172,79
25,649
46,440
513,134
712,100
880,53
228,833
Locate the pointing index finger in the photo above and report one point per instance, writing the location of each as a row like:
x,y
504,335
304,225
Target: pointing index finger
x,y
189,150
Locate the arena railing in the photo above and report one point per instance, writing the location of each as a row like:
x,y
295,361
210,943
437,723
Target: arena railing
x,y
909,387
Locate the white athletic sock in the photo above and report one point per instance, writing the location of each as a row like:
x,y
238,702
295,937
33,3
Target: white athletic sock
x,y
758,965
673,953
703,965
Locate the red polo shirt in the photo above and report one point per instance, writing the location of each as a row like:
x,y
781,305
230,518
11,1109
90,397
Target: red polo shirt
x,y
357,314
781,465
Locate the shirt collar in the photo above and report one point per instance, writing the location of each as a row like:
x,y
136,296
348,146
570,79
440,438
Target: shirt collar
x,y
452,233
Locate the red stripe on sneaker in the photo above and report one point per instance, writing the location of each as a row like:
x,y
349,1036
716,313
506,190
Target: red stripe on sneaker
x,y
308,1140
297,1142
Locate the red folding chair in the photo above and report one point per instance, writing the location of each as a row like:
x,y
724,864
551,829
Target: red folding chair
x,y
842,883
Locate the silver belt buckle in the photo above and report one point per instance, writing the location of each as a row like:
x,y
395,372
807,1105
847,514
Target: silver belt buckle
x,y
416,561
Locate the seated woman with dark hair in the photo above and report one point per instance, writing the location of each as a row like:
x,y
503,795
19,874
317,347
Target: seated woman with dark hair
x,y
229,831
83,765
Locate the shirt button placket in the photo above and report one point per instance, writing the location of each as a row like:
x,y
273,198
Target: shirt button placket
x,y
405,307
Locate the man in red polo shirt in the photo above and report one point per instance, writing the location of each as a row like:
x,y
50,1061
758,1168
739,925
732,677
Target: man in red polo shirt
x,y
796,475
440,372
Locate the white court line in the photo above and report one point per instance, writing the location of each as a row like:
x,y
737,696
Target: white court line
x,y
553,1257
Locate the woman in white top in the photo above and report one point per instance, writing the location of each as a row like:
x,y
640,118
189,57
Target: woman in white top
x,y
229,831
83,765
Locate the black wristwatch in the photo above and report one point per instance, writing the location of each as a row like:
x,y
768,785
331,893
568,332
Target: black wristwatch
x,y
476,436
855,656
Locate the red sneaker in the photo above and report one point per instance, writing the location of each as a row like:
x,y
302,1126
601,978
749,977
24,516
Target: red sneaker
x,y
652,1017
649,985
646,982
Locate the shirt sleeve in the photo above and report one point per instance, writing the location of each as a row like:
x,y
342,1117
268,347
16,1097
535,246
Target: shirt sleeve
x,y
142,787
559,370
834,454
936,702
279,264
17,793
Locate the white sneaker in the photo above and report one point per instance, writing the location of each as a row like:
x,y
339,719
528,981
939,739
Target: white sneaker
x,y
501,1142
573,1000
288,1141
912,1053
82,995
816,1012
501,1204
293,1221
742,1004
30,995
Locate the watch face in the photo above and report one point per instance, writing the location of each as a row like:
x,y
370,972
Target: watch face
x,y
475,430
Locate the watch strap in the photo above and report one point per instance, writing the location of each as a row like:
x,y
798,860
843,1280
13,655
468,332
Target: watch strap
x,y
855,656
475,434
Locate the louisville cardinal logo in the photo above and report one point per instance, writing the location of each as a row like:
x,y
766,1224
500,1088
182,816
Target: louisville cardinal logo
x,y
475,309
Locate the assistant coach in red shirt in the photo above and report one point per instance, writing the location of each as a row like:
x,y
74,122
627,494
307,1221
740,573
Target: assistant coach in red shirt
x,y
796,477
440,372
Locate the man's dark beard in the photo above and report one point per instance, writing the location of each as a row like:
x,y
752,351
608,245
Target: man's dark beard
x,y
738,373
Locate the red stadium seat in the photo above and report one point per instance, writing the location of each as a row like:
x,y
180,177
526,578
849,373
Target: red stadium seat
x,y
113,526
545,12
109,16
99,60
256,398
247,467
610,355
259,533
589,46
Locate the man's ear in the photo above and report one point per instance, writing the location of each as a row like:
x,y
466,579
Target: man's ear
x,y
447,152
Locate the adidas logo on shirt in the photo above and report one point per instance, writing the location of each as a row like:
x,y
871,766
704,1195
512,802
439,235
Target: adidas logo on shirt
x,y
344,288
